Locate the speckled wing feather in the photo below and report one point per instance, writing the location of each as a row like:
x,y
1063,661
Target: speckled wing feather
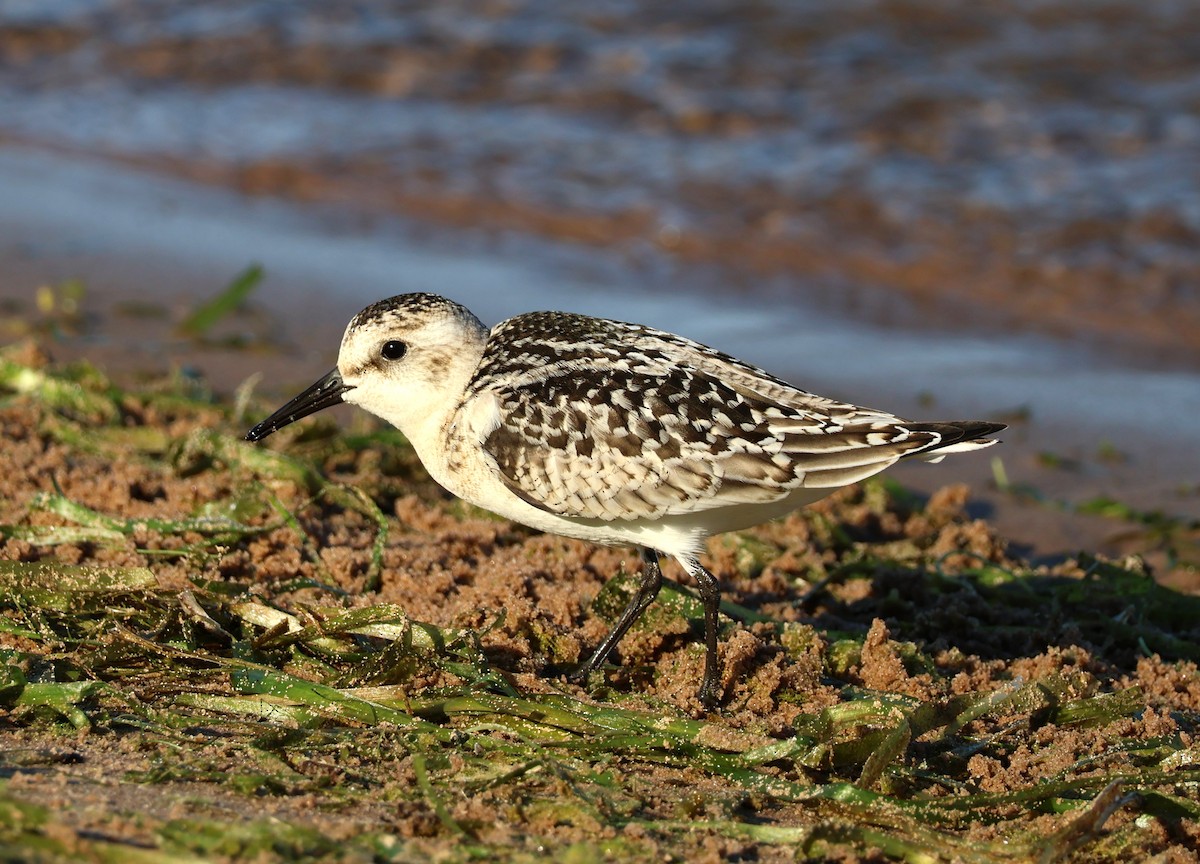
x,y
612,421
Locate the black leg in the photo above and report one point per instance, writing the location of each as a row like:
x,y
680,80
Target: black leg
x,y
642,598
710,596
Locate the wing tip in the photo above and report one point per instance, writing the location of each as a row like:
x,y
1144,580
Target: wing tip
x,y
957,436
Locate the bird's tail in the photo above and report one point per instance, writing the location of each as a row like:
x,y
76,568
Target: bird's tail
x,y
955,436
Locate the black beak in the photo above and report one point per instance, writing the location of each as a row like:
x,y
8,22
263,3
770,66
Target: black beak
x,y
326,392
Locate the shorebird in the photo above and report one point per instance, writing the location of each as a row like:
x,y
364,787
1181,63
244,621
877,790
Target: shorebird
x,y
610,432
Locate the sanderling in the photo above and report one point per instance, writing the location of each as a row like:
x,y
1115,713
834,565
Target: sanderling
x,y
610,432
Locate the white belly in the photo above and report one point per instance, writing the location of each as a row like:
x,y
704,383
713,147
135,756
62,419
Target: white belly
x,y
474,479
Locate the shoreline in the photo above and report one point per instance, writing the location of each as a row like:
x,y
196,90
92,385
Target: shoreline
x,y
1084,434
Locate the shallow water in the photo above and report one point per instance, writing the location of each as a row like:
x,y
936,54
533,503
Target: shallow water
x,y
1017,166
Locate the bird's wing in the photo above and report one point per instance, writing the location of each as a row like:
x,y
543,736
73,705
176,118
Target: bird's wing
x,y
591,429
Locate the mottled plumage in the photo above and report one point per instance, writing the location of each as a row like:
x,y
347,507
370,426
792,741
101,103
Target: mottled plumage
x,y
615,421
610,432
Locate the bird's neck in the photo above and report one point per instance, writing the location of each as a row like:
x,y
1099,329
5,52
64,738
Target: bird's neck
x,y
424,414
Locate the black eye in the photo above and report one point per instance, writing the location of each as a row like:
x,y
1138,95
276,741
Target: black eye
x,y
393,350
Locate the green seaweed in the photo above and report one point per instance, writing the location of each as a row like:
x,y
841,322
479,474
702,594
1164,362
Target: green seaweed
x,y
202,319
329,699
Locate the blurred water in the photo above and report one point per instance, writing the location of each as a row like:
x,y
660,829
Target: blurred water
x,y
1064,388
880,199
1048,160
1056,135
